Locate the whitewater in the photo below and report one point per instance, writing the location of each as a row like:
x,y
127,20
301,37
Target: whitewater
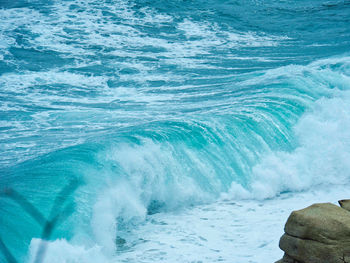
x,y
168,131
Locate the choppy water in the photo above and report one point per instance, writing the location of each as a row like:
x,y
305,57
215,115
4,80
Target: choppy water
x,y
160,107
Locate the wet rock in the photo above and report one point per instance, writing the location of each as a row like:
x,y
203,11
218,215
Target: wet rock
x,y
319,233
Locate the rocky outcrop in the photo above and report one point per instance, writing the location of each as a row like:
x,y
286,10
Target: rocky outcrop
x,y
319,233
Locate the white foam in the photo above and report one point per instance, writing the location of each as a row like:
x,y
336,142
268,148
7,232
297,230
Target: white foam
x,y
225,231
61,251
86,29
322,157
117,201
323,151
155,174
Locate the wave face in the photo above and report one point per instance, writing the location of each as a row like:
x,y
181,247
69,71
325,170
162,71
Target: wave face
x,y
115,110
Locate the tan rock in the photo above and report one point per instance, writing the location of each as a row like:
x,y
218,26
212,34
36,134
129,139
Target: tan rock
x,y
345,204
311,251
317,234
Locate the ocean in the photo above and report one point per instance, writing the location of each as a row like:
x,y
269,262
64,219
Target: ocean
x,y
168,131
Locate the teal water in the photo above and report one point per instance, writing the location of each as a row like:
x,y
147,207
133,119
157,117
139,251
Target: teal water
x,y
152,106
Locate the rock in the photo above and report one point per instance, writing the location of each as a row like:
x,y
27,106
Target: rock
x,y
345,204
317,234
287,259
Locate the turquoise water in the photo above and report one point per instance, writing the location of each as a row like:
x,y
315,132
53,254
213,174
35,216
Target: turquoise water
x,y
155,106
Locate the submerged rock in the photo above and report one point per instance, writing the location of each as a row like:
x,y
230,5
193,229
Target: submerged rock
x,y
319,233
